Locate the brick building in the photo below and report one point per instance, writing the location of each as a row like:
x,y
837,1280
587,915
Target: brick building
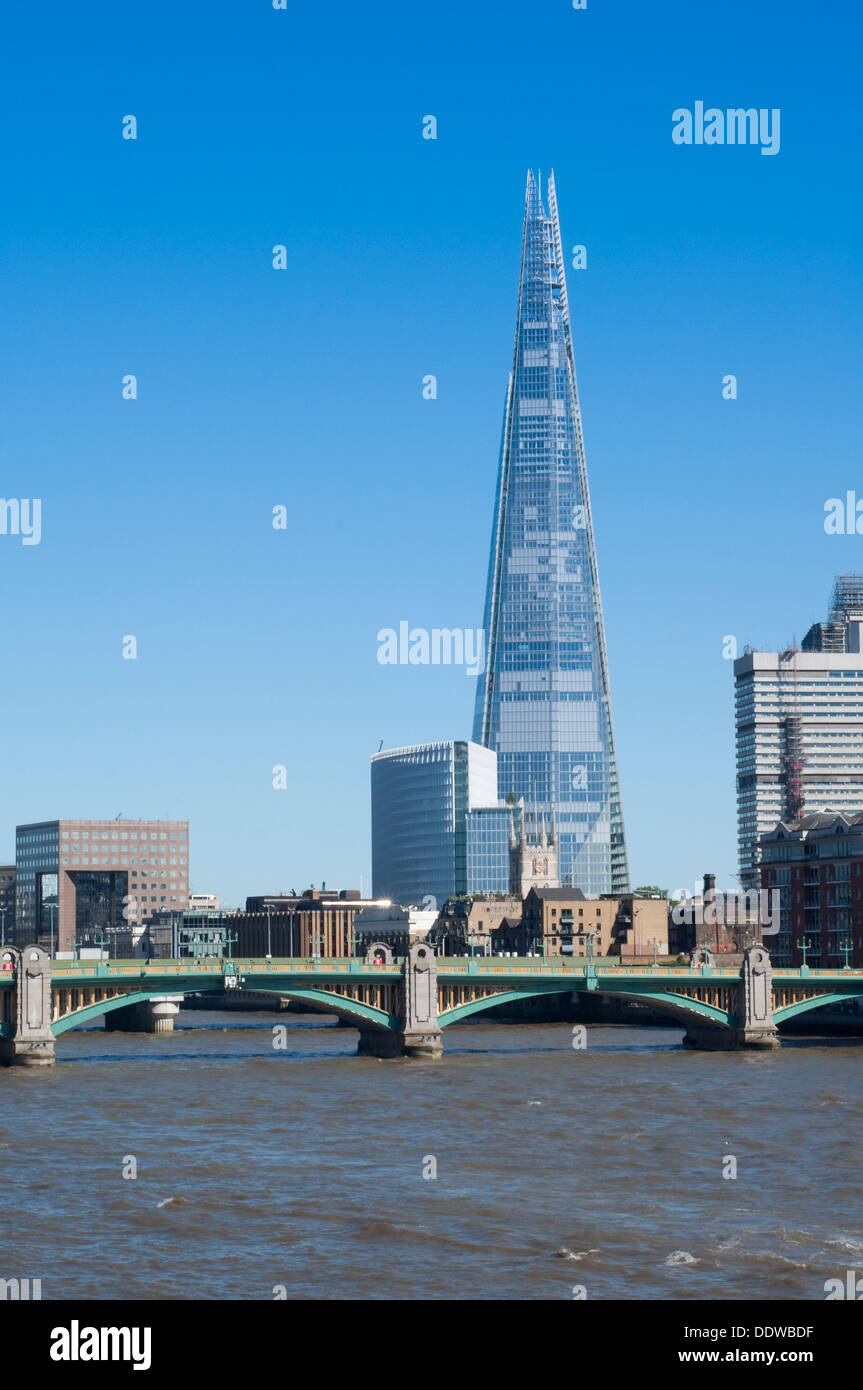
x,y
317,922
816,863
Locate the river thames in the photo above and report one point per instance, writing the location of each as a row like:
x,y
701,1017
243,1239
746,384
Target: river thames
x,y
301,1169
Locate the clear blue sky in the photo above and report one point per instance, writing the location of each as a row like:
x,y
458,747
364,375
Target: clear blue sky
x,y
257,387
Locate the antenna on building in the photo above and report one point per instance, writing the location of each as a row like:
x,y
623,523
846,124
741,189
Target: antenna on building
x,y
380,745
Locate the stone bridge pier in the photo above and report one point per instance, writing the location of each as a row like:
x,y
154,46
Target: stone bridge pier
x,y
31,1043
154,1015
753,1024
417,1033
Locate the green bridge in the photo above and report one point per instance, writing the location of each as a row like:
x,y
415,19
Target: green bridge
x,y
402,1007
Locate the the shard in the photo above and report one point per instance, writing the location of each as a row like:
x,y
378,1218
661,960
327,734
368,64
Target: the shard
x,y
544,702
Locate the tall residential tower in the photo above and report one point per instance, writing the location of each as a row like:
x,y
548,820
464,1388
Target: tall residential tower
x,y
544,704
799,718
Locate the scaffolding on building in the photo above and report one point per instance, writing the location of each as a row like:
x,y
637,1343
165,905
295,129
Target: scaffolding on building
x,y
792,739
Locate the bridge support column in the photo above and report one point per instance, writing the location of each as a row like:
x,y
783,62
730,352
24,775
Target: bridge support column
x,y
419,1034
756,991
154,1015
32,1044
754,1026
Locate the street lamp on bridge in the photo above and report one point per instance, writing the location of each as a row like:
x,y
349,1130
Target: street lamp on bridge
x,y
588,936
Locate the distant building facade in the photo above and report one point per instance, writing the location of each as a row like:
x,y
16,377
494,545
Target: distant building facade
x,y
723,922
816,863
469,922
7,902
799,721
393,926
421,797
78,880
314,923
561,921
203,902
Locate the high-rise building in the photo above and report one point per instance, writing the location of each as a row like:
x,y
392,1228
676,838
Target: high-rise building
x,y
7,902
78,879
421,797
544,704
799,720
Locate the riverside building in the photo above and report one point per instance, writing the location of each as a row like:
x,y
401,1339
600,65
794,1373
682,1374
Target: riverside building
x,y
799,725
79,882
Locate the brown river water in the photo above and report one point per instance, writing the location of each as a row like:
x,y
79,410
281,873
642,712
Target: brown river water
x,y
302,1169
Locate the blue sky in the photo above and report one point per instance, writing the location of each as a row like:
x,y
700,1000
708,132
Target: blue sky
x,y
303,387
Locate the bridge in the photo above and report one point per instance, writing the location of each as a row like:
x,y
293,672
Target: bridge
x,y
401,1008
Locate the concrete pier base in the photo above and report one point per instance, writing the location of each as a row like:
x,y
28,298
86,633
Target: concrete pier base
x,y
18,1052
147,1016
709,1039
386,1043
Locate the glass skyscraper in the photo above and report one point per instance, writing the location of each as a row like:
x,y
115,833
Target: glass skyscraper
x,y
421,797
544,703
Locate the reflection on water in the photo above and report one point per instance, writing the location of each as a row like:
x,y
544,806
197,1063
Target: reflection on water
x,y
555,1167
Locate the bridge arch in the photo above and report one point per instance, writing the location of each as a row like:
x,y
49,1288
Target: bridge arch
x,y
814,1001
678,1006
89,1012
351,1010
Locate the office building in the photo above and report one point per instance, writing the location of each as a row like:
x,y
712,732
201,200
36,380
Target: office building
x,y
421,797
79,882
799,721
544,703
7,903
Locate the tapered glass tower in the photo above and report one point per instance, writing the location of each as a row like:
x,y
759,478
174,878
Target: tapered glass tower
x,y
544,703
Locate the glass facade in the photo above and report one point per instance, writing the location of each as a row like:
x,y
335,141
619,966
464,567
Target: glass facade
x,y
99,903
544,704
420,799
37,850
488,846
